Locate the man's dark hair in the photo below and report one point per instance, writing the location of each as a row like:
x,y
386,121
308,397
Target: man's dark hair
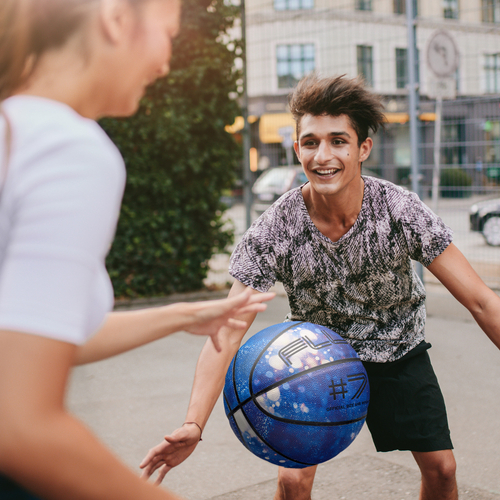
x,y
337,96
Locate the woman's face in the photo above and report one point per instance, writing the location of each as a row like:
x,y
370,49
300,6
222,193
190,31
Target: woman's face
x,y
144,54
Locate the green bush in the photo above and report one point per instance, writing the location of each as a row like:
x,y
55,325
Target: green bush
x,y
455,183
179,161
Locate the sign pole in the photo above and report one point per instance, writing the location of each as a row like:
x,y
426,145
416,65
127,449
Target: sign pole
x,y
412,105
413,96
443,61
437,151
247,174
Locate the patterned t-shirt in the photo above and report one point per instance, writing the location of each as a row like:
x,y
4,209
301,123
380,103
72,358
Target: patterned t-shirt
x,y
362,286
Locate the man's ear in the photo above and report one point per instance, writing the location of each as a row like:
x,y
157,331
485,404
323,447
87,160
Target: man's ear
x,y
116,18
296,148
365,149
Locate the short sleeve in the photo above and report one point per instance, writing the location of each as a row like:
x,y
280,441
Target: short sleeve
x,y
253,261
63,201
426,234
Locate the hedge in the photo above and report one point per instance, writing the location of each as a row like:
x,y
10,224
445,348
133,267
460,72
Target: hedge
x,y
455,183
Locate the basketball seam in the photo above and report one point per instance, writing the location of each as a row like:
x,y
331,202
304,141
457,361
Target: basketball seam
x,y
242,440
266,443
281,382
292,323
311,424
297,375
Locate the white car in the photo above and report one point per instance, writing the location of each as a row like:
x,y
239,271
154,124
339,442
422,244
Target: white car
x,y
485,218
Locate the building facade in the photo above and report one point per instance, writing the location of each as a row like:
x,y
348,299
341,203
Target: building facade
x,y
287,39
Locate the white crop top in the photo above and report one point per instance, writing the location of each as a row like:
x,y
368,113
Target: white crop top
x,y
58,211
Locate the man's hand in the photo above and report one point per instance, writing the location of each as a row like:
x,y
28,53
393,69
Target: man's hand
x,y
170,452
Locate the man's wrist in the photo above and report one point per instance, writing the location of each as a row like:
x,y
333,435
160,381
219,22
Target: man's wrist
x,y
197,425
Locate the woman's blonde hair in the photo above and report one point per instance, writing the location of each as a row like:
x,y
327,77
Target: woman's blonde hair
x,y
30,27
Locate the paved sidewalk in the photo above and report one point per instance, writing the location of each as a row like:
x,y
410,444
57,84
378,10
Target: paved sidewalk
x,y
132,400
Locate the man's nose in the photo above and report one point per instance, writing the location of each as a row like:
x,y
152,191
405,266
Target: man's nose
x,y
324,153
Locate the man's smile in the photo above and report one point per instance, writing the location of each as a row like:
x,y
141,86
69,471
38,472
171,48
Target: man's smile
x,y
324,172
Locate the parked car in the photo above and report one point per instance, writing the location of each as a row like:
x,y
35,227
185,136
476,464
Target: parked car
x,y
485,218
276,181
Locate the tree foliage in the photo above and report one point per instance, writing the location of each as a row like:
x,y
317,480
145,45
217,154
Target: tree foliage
x,y
179,161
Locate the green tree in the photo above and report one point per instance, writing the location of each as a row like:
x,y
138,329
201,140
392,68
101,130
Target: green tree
x,y
179,161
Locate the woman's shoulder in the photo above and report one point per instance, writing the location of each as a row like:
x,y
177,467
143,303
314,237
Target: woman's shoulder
x,y
43,129
41,120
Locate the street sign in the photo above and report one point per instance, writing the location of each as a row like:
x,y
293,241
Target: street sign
x,y
442,61
287,142
444,88
287,135
442,54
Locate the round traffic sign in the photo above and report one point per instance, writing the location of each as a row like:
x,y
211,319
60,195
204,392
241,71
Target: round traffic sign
x,y
442,54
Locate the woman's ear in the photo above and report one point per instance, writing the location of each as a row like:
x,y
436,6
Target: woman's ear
x,y
116,19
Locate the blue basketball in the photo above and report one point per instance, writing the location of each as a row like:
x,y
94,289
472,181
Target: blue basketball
x,y
296,394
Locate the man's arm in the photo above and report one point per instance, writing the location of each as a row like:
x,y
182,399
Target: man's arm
x,y
453,270
208,383
124,331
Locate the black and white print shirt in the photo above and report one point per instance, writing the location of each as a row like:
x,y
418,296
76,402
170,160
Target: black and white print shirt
x,y
362,286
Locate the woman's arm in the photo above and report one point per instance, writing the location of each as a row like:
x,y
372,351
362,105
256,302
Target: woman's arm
x,y
42,447
453,270
207,386
123,331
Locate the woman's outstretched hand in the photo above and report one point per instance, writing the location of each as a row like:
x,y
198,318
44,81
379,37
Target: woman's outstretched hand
x,y
210,316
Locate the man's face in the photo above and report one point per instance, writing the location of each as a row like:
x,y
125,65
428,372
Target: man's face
x,y
327,148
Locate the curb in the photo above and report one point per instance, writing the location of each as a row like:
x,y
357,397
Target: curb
x,y
194,296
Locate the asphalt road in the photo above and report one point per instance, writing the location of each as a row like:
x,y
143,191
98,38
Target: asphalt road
x,y
131,401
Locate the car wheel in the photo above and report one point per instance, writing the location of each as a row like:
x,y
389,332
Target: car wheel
x,y
491,231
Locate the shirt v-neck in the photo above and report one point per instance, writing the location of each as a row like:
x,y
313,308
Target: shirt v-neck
x,y
312,226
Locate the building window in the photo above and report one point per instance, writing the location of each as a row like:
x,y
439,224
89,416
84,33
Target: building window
x,y
293,4
491,11
453,143
450,9
399,6
364,54
402,149
402,68
492,142
363,4
293,62
492,72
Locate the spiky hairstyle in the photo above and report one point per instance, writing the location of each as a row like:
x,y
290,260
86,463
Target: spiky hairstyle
x,y
337,96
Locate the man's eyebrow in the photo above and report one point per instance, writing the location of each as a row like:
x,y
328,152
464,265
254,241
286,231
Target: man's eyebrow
x,y
331,134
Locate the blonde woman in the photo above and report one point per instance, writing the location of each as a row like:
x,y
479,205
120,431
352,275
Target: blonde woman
x,y
63,64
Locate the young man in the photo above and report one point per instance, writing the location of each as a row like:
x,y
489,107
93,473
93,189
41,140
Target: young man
x,y
342,246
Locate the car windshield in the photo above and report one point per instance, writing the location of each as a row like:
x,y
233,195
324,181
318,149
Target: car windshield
x,y
275,180
301,178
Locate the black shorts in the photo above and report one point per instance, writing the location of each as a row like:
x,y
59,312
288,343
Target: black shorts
x,y
407,410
